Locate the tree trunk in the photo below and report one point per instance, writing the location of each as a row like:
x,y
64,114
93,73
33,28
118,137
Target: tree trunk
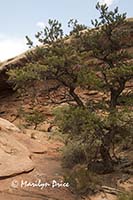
x,y
105,149
115,93
76,98
107,161
113,100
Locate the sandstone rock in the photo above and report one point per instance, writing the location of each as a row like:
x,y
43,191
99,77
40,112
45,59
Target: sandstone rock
x,y
32,145
14,156
44,127
7,126
16,149
54,129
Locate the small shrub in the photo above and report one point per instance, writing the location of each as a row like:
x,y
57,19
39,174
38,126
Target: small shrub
x,y
82,181
126,196
126,99
73,154
34,118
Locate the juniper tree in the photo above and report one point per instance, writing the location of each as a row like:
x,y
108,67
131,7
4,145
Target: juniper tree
x,y
65,61
56,59
109,41
108,44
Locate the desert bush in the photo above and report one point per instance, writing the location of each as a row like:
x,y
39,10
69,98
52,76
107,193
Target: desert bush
x,y
73,154
82,181
34,118
92,133
126,196
126,99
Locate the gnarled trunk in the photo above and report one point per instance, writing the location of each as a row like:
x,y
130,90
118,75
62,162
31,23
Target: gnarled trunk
x,y
105,149
107,160
76,98
115,93
113,100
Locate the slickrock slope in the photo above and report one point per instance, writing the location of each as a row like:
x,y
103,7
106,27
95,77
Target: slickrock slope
x,y
20,153
15,150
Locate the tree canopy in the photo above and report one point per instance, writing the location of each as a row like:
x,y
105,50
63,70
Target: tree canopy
x,y
90,59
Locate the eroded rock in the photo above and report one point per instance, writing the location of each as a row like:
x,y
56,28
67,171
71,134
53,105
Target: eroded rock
x,y
14,156
8,126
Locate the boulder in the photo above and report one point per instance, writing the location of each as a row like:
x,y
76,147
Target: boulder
x,y
45,127
14,156
8,126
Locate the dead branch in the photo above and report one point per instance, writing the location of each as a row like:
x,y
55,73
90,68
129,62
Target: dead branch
x,y
110,190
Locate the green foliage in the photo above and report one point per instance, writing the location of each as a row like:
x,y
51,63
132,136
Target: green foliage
x,y
29,42
107,17
34,118
120,123
95,128
126,99
73,154
59,61
77,121
82,181
76,28
89,131
82,128
88,77
126,196
51,33
108,44
26,76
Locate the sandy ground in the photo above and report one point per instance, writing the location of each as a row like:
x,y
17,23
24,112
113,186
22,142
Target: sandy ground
x,y
47,170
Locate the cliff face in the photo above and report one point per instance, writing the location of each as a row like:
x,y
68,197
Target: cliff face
x,y
8,64
21,60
